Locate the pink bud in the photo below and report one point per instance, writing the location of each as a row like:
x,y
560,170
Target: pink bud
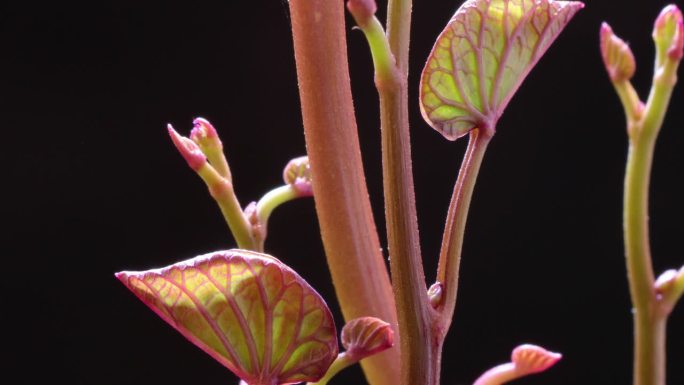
x,y
617,57
202,129
530,359
188,149
669,31
435,294
362,10
365,336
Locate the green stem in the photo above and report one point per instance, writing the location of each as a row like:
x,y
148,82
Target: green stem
x,y
649,343
341,362
347,226
454,231
649,318
222,191
273,199
399,31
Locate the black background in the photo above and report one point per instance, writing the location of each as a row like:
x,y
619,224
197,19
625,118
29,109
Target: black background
x,y
92,185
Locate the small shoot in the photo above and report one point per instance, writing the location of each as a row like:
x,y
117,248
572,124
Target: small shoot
x,y
247,310
652,299
361,338
205,146
525,360
669,288
204,134
298,184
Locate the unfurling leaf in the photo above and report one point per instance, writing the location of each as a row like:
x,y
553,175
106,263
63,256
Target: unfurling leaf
x,y
297,173
525,360
529,359
365,336
248,310
484,53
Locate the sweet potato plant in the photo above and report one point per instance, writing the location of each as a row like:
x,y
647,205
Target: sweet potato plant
x,y
256,316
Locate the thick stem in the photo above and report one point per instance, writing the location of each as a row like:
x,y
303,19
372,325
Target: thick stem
x,y
347,227
452,241
420,350
408,278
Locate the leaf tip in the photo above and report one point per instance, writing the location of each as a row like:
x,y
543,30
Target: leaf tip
x,y
121,276
187,148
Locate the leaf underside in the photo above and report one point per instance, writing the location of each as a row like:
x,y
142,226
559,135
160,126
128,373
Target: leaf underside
x,y
484,53
248,310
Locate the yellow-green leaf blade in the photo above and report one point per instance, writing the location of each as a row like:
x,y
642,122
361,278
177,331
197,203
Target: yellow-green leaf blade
x,y
484,53
248,310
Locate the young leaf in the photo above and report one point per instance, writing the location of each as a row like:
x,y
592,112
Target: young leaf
x,y
248,310
365,336
484,53
525,360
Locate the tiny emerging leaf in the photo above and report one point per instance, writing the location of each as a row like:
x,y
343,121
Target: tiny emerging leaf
x,y
525,360
248,310
365,336
530,359
297,173
481,58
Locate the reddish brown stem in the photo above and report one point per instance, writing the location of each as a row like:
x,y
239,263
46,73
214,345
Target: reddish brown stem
x,y
347,226
454,230
408,279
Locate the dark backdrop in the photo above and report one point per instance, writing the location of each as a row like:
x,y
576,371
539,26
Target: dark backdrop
x,y
93,185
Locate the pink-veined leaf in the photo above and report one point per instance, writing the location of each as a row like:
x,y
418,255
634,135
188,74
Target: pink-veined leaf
x,y
365,336
248,310
484,53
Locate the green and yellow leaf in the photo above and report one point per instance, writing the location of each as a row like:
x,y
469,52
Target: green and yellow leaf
x,y
248,310
482,56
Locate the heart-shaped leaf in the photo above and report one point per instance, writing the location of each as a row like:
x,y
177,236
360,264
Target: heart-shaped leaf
x,y
482,56
248,310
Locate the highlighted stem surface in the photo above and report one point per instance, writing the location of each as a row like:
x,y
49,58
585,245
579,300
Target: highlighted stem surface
x,y
347,227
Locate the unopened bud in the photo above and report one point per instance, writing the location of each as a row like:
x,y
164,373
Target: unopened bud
x,y
188,149
617,57
365,336
204,132
435,294
668,33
